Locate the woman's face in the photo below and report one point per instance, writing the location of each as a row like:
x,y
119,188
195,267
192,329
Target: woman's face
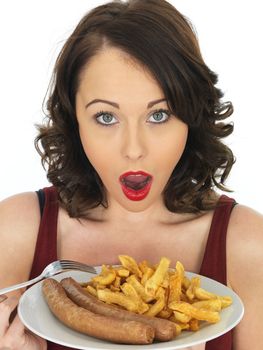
x,y
130,138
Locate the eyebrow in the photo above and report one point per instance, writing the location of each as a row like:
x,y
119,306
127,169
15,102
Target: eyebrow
x,y
114,104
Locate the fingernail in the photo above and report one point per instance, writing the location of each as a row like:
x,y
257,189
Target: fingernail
x,y
2,298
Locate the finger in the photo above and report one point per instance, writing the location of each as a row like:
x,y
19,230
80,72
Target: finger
x,y
2,298
6,308
16,327
23,336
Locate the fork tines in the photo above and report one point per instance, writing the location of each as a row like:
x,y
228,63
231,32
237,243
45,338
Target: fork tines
x,y
75,265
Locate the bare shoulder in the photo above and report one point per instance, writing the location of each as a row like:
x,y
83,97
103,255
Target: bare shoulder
x,y
245,272
245,231
19,223
245,238
19,211
243,215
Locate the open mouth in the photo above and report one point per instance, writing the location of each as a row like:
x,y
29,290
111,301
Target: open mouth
x,y
136,185
136,182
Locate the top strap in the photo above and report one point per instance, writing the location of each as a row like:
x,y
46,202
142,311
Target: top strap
x,y
46,245
214,261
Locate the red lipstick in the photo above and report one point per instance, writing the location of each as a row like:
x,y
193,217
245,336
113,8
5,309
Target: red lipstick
x,y
136,184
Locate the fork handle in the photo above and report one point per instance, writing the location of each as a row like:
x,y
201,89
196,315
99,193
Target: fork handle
x,y
20,285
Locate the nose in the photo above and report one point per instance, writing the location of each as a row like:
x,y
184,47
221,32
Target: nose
x,y
134,143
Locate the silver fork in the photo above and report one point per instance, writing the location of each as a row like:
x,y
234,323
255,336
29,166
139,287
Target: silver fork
x,y
50,270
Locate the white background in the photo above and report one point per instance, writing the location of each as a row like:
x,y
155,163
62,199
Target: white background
x,y
32,33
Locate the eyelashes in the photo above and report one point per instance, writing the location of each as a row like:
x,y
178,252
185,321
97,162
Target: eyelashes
x,y
159,120
158,116
105,118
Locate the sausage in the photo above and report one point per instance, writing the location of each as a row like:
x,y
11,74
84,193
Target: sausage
x,y
164,330
85,321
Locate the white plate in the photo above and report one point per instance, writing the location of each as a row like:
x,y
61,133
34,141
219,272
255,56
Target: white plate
x,y
36,316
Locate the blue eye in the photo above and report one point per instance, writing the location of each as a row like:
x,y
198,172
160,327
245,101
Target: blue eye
x,y
159,116
105,118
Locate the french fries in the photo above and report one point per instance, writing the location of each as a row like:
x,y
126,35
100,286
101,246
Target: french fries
x,y
158,291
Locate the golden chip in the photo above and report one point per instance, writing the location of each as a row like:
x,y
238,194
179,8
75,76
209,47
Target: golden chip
x,y
130,264
157,278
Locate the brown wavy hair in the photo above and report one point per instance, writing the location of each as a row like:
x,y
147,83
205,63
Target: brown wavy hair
x,y
161,39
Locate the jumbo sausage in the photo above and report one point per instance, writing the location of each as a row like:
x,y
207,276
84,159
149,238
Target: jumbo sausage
x,y
164,329
85,321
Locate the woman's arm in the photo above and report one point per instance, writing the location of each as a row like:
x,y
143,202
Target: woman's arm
x,y
19,223
245,274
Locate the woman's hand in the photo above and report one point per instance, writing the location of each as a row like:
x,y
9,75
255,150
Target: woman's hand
x,y
14,336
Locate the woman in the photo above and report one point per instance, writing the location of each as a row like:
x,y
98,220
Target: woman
x,y
133,150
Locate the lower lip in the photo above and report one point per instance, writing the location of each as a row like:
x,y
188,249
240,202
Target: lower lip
x,y
136,195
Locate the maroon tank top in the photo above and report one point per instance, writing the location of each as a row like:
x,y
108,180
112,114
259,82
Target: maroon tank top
x,y
213,264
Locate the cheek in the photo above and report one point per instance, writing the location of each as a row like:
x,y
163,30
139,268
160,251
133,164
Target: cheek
x,y
171,148
88,144
99,155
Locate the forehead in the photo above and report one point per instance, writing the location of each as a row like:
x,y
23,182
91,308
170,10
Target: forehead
x,y
114,71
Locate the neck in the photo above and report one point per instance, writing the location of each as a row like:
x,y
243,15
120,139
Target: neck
x,y
155,214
